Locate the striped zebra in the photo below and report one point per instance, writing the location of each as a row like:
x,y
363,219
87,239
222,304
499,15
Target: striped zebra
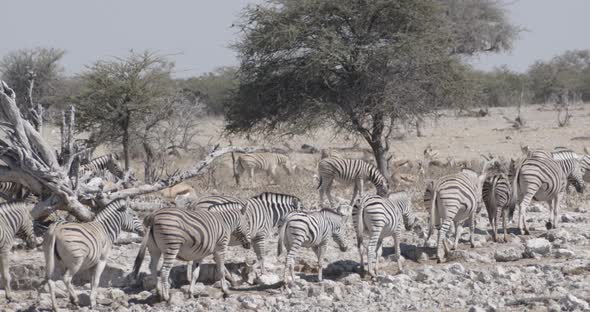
x,y
15,220
11,191
266,213
267,162
455,199
379,218
105,163
571,164
310,229
538,176
497,197
191,235
81,246
348,171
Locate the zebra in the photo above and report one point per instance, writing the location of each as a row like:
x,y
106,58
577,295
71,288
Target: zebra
x,y
80,246
539,176
348,171
381,217
12,191
15,220
498,199
191,235
455,199
310,229
265,213
105,163
267,162
572,166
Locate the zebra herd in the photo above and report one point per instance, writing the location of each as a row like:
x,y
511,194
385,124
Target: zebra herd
x,y
213,223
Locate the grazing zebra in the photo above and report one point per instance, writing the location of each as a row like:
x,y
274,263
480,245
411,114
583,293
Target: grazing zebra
x,y
108,163
191,235
497,196
267,162
379,218
571,164
455,199
15,219
538,176
81,246
348,171
310,229
266,212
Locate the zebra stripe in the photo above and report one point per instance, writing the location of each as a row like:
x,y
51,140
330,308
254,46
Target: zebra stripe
x,y
310,229
191,235
497,197
267,162
212,200
455,199
380,218
348,171
571,166
540,177
108,163
80,246
11,191
265,213
15,220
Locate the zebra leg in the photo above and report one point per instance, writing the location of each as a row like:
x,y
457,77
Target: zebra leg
x,y
259,249
442,236
189,270
524,205
504,224
472,230
169,257
458,232
194,278
557,203
329,192
5,275
320,251
378,254
398,251
220,265
68,275
355,192
360,246
493,225
99,268
155,254
372,250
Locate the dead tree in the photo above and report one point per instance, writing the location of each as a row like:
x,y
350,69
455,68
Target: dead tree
x,y
26,158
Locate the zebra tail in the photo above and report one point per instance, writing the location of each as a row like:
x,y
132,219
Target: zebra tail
x,y
49,250
433,210
282,235
514,199
320,184
147,223
360,226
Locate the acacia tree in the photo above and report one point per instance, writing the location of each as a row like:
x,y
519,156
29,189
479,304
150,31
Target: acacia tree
x,y
362,65
119,93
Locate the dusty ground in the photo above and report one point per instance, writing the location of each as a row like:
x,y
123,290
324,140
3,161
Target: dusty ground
x,y
546,271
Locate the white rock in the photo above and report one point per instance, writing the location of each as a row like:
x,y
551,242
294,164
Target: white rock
x,y
539,246
564,253
509,253
267,279
116,294
568,218
177,298
573,303
456,268
476,309
325,301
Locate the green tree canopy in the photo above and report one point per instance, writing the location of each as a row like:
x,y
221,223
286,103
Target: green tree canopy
x,y
213,88
119,93
362,65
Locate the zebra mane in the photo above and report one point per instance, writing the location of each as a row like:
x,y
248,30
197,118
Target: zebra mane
x,y
117,205
331,211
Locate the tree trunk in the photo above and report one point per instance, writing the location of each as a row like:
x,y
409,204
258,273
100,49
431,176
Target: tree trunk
x,y
149,160
126,141
380,154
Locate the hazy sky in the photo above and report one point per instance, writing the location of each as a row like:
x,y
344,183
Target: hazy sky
x,y
198,32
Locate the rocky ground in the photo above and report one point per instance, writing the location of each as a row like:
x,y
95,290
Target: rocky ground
x,y
546,271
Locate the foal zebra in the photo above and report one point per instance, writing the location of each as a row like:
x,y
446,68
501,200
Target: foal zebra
x,y
348,171
455,199
15,220
497,196
265,213
267,162
541,177
310,229
380,218
81,246
191,235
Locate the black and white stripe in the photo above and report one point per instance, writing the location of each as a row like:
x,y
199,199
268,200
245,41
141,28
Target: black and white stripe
x,y
10,191
497,196
348,171
310,229
81,246
538,176
105,163
191,236
267,162
571,165
212,200
15,220
265,213
379,218
455,199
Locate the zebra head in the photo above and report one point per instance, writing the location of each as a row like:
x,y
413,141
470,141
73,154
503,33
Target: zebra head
x,y
576,178
242,231
131,223
336,220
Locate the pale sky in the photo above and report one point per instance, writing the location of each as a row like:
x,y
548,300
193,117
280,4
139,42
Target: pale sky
x,y
198,32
